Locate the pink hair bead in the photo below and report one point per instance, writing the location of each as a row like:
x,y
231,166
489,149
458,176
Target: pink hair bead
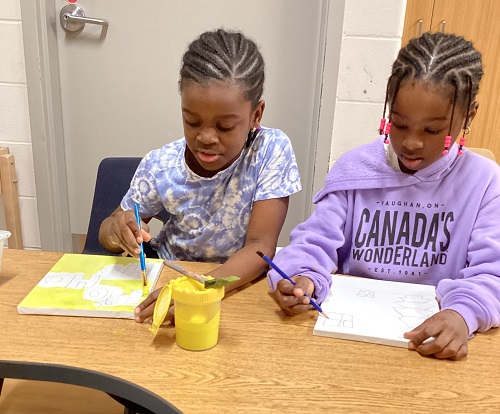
x,y
462,143
388,128
447,143
382,126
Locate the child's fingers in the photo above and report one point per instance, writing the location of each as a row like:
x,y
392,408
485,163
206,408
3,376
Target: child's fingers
x,y
454,350
170,315
287,301
291,297
441,341
291,304
422,332
461,353
297,309
146,308
130,233
143,314
303,285
285,287
146,236
123,236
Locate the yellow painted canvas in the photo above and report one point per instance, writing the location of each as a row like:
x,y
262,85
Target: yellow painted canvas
x,y
93,286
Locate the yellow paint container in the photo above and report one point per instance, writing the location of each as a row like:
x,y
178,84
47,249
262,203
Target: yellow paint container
x,y
197,314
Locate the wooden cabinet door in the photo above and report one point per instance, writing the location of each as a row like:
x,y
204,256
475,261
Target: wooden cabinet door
x,y
476,20
418,19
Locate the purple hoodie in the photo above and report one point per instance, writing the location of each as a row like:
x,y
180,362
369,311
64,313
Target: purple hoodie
x,y
439,226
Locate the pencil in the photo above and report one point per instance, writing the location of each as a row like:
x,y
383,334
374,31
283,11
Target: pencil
x,y
285,276
141,255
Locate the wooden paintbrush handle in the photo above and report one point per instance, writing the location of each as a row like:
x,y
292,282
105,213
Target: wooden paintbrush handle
x,y
185,272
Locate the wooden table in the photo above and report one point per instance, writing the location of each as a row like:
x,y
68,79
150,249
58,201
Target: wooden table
x,y
264,362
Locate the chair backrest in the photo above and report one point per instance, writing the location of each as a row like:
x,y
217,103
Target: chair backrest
x,y
484,152
113,181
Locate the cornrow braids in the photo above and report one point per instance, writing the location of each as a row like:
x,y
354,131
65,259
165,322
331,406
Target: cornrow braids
x,y
226,56
440,58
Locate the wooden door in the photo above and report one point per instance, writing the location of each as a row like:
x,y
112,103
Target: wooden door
x,y
476,20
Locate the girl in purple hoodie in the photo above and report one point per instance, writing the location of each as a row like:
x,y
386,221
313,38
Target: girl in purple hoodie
x,y
413,206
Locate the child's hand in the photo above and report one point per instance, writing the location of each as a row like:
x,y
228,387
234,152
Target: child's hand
x,y
125,233
450,332
146,308
291,298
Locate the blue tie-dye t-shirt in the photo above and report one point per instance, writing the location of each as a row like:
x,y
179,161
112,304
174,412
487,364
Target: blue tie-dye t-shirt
x,y
209,216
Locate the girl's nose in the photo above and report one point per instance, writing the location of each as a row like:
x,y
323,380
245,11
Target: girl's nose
x,y
412,142
207,136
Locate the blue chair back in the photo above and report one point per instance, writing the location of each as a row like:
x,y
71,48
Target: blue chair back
x,y
113,181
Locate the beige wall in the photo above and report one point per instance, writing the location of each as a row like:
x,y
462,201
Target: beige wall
x,y
14,118
370,40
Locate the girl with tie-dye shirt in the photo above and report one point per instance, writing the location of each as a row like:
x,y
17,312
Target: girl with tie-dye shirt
x,y
226,184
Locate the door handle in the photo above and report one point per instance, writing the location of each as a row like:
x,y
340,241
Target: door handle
x,y
72,18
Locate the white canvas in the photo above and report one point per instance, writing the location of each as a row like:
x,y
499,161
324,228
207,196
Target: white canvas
x,y
377,311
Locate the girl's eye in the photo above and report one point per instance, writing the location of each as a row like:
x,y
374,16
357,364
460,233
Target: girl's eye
x,y
432,132
192,124
224,129
398,126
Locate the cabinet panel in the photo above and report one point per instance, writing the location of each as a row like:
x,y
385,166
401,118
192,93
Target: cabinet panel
x,y
418,19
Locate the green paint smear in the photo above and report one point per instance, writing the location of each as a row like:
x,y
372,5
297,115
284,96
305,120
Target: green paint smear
x,y
217,283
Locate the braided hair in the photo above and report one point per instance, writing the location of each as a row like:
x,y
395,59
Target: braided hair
x,y
227,56
440,58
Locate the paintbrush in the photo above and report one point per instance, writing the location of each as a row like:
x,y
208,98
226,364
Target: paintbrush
x,y
207,283
142,258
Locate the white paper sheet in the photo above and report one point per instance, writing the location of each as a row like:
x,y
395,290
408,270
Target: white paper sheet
x,y
377,311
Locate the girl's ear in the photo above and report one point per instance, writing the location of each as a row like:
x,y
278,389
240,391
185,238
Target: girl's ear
x,y
257,114
473,111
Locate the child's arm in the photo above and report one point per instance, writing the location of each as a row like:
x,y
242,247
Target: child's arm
x,y
266,221
120,233
265,224
311,256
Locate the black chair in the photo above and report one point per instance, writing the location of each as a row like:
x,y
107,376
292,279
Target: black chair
x,y
113,180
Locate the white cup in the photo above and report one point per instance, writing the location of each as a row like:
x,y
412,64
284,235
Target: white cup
x,y
4,235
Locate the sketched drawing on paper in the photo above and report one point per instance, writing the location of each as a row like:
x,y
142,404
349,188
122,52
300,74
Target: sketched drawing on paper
x,y
338,319
413,310
365,293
